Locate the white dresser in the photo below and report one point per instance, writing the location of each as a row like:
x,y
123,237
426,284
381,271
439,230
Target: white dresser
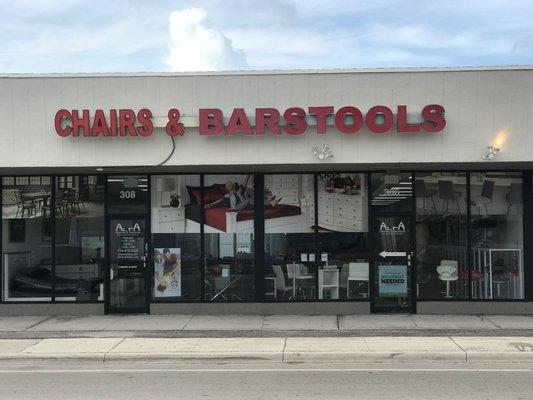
x,y
284,187
169,220
342,212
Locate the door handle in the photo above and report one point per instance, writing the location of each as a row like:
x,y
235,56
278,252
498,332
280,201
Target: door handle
x,y
111,274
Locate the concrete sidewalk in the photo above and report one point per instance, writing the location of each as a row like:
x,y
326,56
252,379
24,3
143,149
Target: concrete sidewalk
x,y
264,326
272,350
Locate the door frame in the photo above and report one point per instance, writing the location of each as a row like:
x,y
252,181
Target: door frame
x,y
411,216
146,271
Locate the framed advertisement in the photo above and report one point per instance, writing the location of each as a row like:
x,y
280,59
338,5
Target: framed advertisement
x,y
167,272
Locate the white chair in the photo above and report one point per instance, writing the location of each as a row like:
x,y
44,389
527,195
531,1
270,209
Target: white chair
x,y
447,271
357,272
298,272
500,280
328,280
281,284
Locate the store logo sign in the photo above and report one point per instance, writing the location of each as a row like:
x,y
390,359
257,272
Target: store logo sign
x,y
395,228
293,121
134,229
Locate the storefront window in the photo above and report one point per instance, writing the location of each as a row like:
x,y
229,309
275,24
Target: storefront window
x,y
441,235
497,235
27,238
79,240
343,259
127,194
391,192
290,255
176,239
228,203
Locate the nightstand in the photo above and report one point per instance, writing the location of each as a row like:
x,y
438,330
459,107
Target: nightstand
x,y
169,220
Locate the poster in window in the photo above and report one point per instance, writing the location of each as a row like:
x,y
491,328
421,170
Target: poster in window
x,y
167,272
392,280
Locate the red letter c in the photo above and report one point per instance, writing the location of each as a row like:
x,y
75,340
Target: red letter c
x,y
61,115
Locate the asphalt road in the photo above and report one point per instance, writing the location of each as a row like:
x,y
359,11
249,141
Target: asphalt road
x,y
75,381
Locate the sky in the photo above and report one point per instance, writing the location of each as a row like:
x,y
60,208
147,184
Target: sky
x,y
45,36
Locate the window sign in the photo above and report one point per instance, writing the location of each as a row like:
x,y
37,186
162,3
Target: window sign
x,y
392,280
127,240
167,272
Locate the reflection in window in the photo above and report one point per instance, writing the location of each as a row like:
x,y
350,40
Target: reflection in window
x,y
127,194
343,261
26,239
290,265
176,237
391,192
441,230
228,236
497,235
80,249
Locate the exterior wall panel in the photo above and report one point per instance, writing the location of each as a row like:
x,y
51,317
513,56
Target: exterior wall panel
x,y
479,104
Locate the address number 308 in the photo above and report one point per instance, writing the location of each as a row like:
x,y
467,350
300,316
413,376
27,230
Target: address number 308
x,y
127,194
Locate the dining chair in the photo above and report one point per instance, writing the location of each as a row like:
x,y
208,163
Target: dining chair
x,y
358,272
24,206
514,197
299,274
423,193
80,196
447,194
485,198
500,280
281,284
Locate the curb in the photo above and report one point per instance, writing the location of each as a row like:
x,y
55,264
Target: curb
x,y
264,333
278,357
375,357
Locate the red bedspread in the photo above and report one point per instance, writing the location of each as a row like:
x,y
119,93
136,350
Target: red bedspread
x,y
216,216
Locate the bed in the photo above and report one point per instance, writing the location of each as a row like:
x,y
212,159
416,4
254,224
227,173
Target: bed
x,y
39,279
282,218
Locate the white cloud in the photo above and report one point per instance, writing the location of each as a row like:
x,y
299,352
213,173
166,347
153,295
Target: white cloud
x,y
196,46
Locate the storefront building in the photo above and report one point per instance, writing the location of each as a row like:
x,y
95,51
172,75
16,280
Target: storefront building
x,y
317,192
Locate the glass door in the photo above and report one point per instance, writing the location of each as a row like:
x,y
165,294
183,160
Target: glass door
x,y
392,239
127,264
127,230
392,263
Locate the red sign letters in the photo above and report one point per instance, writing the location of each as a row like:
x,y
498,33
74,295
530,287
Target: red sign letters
x,y
294,121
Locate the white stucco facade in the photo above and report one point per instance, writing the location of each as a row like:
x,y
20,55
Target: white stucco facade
x,y
480,104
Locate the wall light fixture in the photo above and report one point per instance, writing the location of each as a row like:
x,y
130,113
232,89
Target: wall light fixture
x,y
323,153
491,153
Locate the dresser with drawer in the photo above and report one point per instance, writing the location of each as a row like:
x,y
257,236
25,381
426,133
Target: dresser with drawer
x,y
342,212
284,187
169,220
